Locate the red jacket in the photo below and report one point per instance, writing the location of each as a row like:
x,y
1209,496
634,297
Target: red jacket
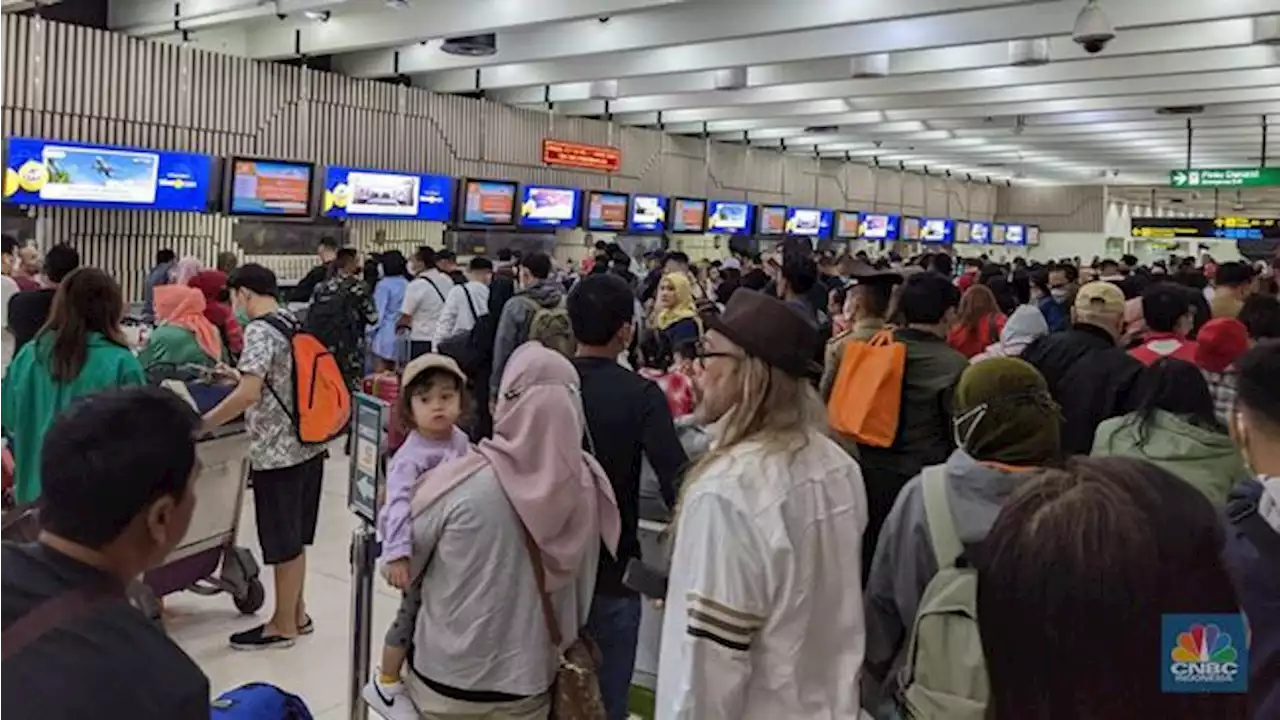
x,y
1156,345
969,343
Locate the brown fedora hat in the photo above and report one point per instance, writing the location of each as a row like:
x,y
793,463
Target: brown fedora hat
x,y
769,329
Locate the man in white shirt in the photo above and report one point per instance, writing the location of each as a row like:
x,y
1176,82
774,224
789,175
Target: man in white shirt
x,y
423,301
466,304
8,288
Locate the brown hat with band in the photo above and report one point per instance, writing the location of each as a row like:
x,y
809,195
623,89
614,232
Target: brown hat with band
x,y
768,329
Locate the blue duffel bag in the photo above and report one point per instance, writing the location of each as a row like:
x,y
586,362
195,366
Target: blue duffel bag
x,y
258,701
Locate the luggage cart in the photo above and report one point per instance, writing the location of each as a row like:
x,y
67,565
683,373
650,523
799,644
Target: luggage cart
x,y
207,561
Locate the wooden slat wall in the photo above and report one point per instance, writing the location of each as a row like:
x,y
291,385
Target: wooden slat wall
x,y
79,84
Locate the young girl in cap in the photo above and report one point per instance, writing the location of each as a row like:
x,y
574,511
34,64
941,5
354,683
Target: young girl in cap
x,y
432,397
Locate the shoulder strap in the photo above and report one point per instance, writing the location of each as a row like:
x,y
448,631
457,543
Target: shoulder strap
x,y
288,330
285,328
1243,513
470,304
937,513
548,613
52,614
435,287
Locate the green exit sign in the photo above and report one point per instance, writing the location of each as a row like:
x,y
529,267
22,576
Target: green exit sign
x,y
1225,177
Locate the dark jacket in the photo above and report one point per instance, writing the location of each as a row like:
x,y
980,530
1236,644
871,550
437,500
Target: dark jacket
x,y
1055,314
924,428
1089,376
1256,573
307,285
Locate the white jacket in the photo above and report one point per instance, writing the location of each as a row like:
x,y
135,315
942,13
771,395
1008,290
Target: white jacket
x,y
764,615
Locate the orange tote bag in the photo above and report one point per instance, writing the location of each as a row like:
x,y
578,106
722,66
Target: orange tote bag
x,y
867,397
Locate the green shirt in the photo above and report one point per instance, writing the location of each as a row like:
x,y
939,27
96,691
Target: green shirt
x,y
173,345
30,398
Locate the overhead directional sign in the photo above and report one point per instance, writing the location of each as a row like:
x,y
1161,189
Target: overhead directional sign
x,y
1225,177
1223,228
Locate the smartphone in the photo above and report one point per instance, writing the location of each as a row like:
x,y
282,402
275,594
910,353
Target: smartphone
x,y
644,579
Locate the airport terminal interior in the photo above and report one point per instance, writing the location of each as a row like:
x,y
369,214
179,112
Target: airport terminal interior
x,y
1016,130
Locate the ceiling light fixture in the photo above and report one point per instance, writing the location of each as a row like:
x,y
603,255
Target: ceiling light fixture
x,y
869,66
471,45
1029,53
317,15
396,4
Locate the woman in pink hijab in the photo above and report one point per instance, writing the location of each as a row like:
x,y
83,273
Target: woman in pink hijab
x,y
481,643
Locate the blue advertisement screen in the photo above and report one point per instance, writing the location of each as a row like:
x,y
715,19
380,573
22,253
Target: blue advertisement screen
x,y
941,231
354,192
980,233
731,218
808,222
1015,235
49,172
648,213
879,227
544,206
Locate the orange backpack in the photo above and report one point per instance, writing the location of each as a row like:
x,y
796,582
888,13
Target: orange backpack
x,y
867,397
322,404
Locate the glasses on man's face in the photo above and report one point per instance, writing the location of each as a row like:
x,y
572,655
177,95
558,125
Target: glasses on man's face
x,y
702,353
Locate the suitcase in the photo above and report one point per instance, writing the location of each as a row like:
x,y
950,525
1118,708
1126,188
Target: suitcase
x,y
386,387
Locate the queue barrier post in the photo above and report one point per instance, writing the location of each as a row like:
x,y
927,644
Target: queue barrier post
x,y
364,492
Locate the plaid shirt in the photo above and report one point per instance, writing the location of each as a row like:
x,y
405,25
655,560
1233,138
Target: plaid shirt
x,y
1222,387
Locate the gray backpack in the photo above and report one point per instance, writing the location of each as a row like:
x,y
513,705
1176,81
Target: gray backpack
x,y
550,326
945,674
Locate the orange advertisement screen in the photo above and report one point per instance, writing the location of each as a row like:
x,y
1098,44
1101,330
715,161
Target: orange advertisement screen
x,y
847,224
270,187
581,155
773,220
489,202
688,215
606,211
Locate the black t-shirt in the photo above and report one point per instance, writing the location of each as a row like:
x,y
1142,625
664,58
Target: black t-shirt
x,y
28,312
111,661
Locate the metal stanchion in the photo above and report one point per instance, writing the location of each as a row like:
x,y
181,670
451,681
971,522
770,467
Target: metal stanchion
x,y
363,496
364,557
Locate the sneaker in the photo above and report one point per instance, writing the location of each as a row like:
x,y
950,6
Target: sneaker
x,y
257,639
389,701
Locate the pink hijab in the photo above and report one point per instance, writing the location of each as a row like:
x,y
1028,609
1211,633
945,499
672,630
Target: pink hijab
x,y
560,492
183,306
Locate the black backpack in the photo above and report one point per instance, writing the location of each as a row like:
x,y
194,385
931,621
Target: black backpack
x,y
467,347
330,317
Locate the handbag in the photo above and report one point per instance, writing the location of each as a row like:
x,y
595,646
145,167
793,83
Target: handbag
x,y
575,694
866,401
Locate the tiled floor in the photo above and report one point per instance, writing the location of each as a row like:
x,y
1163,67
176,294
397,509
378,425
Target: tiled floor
x,y
316,668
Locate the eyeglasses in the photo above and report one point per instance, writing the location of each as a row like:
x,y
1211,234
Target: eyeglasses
x,y
702,354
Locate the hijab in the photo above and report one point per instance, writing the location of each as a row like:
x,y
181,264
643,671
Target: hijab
x,y
1020,330
1003,413
183,306
684,307
186,268
560,492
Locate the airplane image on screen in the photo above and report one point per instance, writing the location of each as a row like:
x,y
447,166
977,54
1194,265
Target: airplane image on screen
x,y
103,168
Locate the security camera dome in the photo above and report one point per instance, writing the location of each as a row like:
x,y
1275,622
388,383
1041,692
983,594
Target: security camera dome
x,y
1093,29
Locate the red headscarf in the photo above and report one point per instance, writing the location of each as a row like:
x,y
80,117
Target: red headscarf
x,y
211,283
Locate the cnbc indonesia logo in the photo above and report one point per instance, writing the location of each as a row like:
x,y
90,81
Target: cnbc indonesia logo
x,y
1204,655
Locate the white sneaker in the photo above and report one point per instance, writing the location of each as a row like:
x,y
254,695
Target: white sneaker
x,y
389,701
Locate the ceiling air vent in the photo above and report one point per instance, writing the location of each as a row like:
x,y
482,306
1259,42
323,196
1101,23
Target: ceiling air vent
x,y
1029,53
1266,30
1180,110
471,45
869,66
731,78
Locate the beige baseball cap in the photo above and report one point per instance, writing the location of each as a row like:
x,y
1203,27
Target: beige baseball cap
x,y
1100,297
431,361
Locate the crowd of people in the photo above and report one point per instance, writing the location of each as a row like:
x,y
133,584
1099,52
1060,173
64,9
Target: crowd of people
x,y
902,452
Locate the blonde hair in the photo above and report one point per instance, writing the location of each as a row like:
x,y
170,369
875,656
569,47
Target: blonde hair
x,y
776,409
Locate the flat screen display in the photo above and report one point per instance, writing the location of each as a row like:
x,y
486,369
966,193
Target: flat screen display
x,y
648,213
544,206
962,232
910,228
937,230
997,234
847,224
732,218
270,187
879,227
488,202
49,172
808,222
355,192
688,215
773,220
607,211
1033,234
980,233
1015,235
